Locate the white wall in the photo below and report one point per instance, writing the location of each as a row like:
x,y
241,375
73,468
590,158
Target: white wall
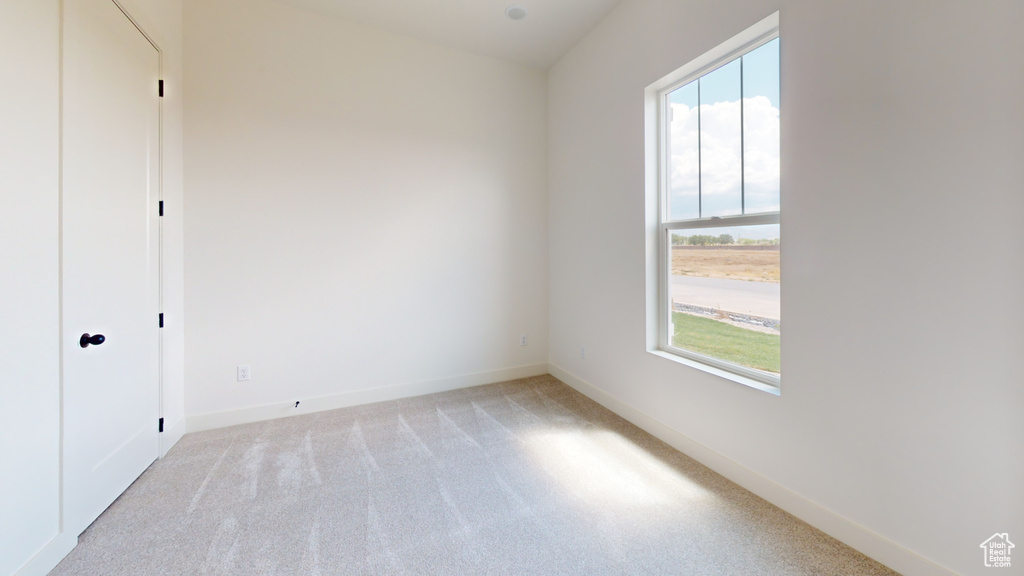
x,y
29,299
902,175
363,210
31,539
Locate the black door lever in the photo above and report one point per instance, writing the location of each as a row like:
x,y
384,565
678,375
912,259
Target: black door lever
x,y
95,340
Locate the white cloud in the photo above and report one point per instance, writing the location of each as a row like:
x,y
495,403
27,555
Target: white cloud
x,y
720,158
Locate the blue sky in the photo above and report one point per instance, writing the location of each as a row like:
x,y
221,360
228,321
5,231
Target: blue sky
x,y
760,78
733,164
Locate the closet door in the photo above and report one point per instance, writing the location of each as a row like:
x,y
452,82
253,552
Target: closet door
x,y
110,256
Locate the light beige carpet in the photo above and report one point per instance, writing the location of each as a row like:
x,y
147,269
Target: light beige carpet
x,y
524,477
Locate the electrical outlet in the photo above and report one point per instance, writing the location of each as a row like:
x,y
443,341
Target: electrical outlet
x,y
244,373
583,352
522,339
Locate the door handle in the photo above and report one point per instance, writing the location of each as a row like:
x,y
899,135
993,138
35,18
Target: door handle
x,y
95,340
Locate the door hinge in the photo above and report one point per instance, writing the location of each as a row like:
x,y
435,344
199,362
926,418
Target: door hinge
x,y
160,425
161,207
161,319
161,88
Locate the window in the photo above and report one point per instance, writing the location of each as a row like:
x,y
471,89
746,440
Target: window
x,y
714,175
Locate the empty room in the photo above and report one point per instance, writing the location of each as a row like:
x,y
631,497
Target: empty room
x,y
496,287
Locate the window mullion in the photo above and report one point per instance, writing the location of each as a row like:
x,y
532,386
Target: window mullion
x,y
700,171
665,163
743,165
665,288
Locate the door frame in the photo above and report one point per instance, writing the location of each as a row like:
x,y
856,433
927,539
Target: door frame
x,y
149,29
131,12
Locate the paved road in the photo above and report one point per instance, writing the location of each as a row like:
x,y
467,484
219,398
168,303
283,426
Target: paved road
x,y
754,298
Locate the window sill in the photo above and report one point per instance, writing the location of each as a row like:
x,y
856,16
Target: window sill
x,y
756,384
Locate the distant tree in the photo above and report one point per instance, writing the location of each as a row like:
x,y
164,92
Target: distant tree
x,y
678,239
748,241
725,239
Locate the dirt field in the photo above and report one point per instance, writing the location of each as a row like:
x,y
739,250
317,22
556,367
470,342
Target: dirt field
x,y
734,263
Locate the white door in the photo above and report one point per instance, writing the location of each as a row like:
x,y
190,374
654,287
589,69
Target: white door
x,y
110,255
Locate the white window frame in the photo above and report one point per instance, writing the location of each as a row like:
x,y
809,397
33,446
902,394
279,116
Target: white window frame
x,y
659,226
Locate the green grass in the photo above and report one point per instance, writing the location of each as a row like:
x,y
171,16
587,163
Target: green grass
x,y
726,342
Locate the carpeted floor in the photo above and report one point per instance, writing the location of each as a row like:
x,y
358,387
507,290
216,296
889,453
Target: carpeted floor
x,y
523,477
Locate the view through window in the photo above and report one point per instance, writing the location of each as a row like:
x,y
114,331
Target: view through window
x,y
724,285
720,215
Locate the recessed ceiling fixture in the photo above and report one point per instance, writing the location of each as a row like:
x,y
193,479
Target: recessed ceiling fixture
x,y
515,12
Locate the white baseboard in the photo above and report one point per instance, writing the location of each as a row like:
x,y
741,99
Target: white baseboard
x,y
171,435
850,533
51,555
211,420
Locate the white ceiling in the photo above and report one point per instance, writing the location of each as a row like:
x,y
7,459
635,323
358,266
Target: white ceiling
x,y
550,29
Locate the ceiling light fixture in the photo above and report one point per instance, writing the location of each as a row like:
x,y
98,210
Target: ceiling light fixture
x,y
515,13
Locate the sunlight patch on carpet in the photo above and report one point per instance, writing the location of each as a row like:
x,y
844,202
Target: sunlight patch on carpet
x,y
602,467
